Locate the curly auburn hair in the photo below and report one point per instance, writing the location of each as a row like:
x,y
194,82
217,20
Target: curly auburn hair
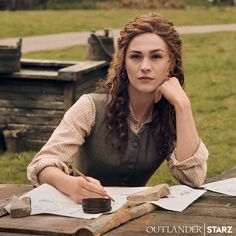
x,y
163,115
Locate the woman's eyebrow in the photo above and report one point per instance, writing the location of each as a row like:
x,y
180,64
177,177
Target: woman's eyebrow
x,y
152,51
134,51
158,50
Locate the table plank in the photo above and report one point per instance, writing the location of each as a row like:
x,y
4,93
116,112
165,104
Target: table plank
x,y
213,206
42,224
7,190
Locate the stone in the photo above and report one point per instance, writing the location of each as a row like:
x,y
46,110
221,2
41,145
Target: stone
x,y
20,207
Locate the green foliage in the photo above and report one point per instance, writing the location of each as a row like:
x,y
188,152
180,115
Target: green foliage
x,y
72,4
106,4
29,23
22,4
80,4
196,3
93,4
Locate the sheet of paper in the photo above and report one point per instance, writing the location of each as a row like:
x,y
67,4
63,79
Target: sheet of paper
x,y
180,198
47,199
227,186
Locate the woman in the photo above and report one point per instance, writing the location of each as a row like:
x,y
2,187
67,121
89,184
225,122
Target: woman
x,y
143,116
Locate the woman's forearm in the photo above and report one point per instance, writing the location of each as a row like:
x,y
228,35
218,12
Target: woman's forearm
x,y
56,178
187,135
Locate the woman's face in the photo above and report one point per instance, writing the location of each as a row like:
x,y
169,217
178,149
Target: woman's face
x,y
147,63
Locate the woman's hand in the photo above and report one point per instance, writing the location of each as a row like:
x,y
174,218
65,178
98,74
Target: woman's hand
x,y
81,188
76,187
173,92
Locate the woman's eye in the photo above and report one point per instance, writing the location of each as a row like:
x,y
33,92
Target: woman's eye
x,y
156,56
135,56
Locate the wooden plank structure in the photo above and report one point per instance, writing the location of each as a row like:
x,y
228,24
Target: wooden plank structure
x,y
211,209
37,97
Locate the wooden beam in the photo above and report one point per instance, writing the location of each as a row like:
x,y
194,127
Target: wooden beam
x,y
74,72
69,95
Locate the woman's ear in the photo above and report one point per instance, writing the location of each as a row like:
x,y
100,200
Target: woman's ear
x,y
170,72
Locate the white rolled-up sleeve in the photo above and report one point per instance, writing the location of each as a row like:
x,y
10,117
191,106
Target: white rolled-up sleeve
x,y
62,147
191,171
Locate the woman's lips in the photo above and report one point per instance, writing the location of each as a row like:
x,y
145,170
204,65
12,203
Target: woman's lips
x,y
145,78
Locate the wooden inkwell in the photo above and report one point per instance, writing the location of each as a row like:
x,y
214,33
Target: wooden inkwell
x,y
96,205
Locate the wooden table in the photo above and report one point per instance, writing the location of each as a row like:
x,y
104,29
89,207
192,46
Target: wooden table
x,y
212,212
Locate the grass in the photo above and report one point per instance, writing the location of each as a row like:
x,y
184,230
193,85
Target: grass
x,y
29,23
212,91
13,166
210,84
75,53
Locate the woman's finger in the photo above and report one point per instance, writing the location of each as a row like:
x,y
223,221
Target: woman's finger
x,y
94,187
94,180
85,193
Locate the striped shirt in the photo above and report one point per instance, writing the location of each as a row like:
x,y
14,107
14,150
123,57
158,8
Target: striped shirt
x,y
77,123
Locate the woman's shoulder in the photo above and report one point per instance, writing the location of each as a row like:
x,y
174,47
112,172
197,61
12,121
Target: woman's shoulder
x,y
89,99
98,96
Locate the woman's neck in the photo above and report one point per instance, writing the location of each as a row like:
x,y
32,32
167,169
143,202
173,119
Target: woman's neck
x,y
142,105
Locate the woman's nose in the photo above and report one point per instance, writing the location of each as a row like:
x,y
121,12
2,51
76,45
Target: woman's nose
x,y
145,66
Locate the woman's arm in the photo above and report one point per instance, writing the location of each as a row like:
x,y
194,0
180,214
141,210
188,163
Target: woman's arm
x,y
186,132
50,165
188,161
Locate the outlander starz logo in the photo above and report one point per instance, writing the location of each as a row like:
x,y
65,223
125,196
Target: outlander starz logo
x,y
167,229
189,229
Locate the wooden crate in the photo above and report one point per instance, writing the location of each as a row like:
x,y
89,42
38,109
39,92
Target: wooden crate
x,y
39,95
